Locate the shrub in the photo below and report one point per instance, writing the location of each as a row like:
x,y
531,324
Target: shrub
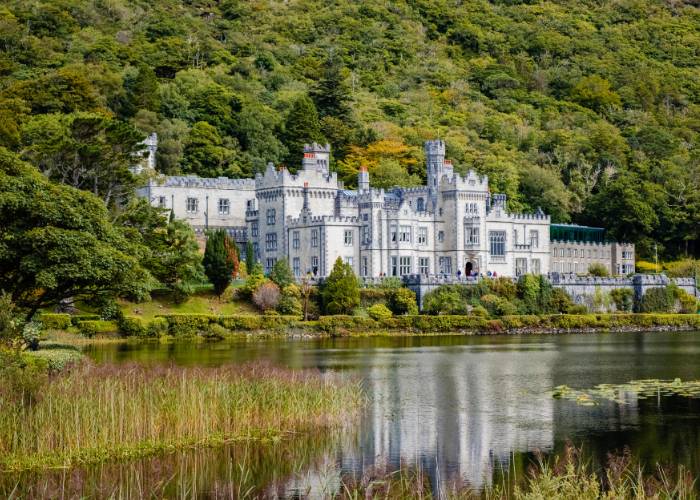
x,y
56,321
598,269
560,302
290,302
577,309
444,299
215,332
340,291
21,377
503,287
623,298
480,312
371,296
659,299
255,279
688,304
267,296
280,274
402,301
132,327
157,327
391,283
379,312
498,306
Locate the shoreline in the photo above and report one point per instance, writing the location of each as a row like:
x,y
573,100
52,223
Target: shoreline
x,y
203,328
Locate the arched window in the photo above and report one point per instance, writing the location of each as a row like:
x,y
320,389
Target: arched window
x,y
420,205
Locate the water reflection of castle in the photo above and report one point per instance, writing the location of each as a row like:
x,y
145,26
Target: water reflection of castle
x,y
460,425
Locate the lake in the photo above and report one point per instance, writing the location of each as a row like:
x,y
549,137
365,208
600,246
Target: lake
x,y
467,409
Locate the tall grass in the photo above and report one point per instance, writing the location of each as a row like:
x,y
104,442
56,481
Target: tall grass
x,y
567,477
100,412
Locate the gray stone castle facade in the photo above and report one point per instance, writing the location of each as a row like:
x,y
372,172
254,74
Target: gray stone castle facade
x,y
454,226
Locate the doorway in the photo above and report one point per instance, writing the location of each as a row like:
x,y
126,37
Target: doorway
x,y
468,267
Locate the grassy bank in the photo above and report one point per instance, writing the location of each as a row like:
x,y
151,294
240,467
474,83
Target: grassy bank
x,y
217,326
101,412
565,477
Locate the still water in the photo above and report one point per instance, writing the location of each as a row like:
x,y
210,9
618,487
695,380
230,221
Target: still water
x,y
464,408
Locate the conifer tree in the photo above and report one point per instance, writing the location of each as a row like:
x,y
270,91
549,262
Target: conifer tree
x,y
341,290
249,256
281,274
331,93
301,127
217,265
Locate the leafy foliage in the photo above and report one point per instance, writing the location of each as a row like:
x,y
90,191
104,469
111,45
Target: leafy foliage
x,y
588,110
58,242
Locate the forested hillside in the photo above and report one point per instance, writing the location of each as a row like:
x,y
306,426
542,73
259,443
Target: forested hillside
x,y
589,109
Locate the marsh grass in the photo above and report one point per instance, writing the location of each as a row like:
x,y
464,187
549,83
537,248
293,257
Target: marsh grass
x,y
565,477
101,412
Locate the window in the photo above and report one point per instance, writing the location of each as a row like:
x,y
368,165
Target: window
x,y
626,254
441,236
405,234
535,239
394,266
536,266
471,235
296,266
497,243
568,252
254,229
561,252
314,265
271,216
348,261
271,242
347,238
365,217
394,235
472,209
366,235
420,205
554,252
224,206
404,266
192,205
161,201
515,236
445,265
365,266
520,266
269,264
588,253
424,266
422,235
296,242
314,237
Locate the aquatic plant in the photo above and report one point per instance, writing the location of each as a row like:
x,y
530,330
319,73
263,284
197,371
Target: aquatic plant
x,y
100,412
565,477
618,393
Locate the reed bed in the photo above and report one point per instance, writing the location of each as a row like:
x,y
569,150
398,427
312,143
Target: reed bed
x,y
566,477
103,412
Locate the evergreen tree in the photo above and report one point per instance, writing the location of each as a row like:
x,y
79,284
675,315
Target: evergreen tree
x,y
141,91
301,127
331,93
281,274
249,256
341,290
217,265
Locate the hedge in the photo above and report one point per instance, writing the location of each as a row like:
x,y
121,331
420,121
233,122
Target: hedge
x,y
57,321
92,327
181,325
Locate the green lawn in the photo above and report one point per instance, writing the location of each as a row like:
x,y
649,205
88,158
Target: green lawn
x,y
204,302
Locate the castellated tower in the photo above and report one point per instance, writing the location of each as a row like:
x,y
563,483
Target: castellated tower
x,y
316,157
434,160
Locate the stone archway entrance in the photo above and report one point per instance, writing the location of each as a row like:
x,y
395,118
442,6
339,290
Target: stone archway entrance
x,y
468,268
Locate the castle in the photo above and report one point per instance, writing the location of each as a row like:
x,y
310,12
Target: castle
x,y
451,227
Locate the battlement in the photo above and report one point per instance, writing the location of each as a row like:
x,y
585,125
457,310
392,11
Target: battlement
x,y
321,219
194,181
435,147
589,244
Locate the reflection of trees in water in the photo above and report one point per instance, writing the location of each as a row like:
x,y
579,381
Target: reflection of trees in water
x,y
240,470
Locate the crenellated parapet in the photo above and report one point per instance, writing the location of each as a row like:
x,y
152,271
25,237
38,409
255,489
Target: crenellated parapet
x,y
194,181
322,220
